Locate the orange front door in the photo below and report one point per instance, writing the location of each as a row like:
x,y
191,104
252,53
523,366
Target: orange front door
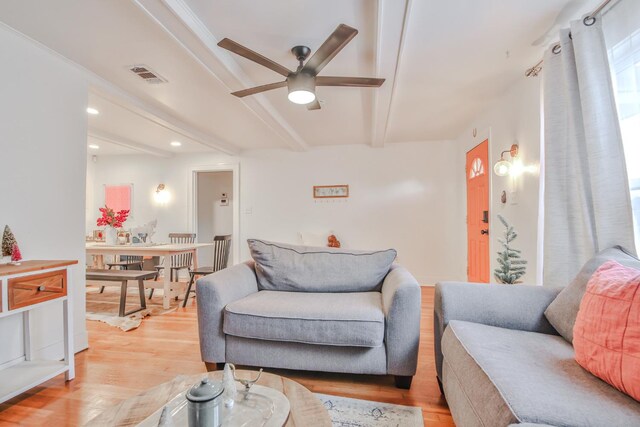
x,y
478,170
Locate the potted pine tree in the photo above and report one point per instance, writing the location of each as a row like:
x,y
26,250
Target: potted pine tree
x,y
512,266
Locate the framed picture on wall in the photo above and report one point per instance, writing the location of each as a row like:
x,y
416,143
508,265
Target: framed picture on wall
x,y
119,197
330,191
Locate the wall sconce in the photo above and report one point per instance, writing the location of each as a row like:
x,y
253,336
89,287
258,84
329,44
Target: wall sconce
x,y
502,166
162,195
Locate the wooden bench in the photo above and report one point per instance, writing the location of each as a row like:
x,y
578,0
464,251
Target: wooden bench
x,y
124,276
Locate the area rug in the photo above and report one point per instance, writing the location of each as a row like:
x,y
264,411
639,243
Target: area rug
x,y
345,412
103,307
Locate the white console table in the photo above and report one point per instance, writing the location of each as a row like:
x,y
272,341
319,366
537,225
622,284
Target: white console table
x,y
25,287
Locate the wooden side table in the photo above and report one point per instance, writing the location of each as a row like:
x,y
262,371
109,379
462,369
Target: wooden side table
x,y
306,409
28,286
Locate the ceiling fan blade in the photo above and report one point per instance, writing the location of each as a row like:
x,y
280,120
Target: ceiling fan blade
x,y
330,48
238,49
349,81
315,105
258,89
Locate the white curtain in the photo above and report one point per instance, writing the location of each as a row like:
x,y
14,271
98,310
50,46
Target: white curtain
x,y
586,197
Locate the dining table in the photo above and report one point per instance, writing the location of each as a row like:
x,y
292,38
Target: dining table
x,y
166,250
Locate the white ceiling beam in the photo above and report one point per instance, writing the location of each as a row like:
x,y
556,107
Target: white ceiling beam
x,y
157,115
124,142
392,24
123,98
175,16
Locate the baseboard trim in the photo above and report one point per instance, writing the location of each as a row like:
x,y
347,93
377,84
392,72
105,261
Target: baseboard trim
x,y
55,351
80,341
11,362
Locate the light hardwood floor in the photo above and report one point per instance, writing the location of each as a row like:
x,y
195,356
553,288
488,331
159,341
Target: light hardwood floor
x,y
120,364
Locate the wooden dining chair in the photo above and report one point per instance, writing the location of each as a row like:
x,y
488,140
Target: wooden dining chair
x,y
178,262
125,262
221,251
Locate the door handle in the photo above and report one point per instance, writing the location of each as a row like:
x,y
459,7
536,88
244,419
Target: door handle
x,y
485,231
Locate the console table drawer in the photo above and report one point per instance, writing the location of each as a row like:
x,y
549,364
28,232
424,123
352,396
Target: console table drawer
x,y
37,288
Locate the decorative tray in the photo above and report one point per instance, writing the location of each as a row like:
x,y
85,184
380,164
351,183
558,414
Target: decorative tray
x,y
262,407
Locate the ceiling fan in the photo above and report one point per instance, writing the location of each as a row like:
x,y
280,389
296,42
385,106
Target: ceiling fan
x,y
302,82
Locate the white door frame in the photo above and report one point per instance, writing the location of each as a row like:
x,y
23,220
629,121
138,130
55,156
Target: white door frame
x,y
234,168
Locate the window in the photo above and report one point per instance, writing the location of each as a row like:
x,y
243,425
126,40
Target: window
x,y
622,34
477,168
118,197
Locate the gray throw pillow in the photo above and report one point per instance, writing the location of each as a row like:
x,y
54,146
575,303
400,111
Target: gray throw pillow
x,y
563,310
282,267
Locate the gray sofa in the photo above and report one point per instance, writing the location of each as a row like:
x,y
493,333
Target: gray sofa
x,y
245,317
501,361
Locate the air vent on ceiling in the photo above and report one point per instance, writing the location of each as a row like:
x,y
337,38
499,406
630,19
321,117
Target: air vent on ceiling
x,y
146,74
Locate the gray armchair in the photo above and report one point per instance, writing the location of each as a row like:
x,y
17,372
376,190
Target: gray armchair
x,y
354,332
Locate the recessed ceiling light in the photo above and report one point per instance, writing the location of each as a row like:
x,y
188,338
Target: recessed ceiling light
x,y
92,111
176,143
94,146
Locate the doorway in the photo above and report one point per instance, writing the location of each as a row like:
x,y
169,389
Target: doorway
x,y
214,210
477,172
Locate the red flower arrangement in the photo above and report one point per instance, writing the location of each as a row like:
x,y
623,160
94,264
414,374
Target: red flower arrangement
x,y
111,218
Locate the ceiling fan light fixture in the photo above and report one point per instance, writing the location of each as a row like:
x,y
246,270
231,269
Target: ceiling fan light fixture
x,y
302,97
302,88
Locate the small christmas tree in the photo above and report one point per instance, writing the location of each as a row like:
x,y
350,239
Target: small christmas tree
x,y
16,256
512,267
8,240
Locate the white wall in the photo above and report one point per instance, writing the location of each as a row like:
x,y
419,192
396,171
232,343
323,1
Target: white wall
x,y
403,196
213,218
409,196
43,133
90,216
514,118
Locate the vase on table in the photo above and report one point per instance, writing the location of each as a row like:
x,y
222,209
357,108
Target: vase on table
x,y
110,236
112,221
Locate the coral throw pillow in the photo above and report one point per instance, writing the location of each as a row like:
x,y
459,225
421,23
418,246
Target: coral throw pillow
x,y
606,335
